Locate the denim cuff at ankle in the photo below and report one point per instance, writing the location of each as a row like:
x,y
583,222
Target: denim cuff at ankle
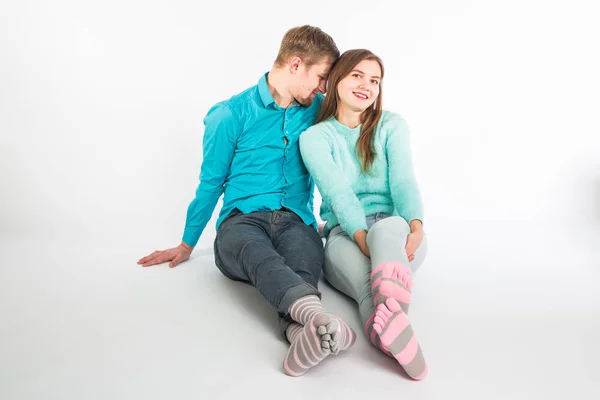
x,y
293,294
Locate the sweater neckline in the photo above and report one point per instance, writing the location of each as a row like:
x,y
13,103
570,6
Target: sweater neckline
x,y
343,128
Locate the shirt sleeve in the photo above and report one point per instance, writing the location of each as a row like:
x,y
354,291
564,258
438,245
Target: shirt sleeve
x,y
221,131
329,179
403,184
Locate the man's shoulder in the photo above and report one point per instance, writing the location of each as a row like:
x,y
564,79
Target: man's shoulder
x,y
232,109
238,100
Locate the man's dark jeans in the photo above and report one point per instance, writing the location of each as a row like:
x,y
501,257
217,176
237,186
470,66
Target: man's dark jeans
x,y
276,252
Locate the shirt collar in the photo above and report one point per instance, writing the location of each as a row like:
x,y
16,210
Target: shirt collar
x,y
267,97
264,92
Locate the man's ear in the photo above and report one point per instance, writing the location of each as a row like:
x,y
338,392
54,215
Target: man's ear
x,y
294,64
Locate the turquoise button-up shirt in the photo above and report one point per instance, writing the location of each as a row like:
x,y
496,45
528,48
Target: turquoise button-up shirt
x,y
252,157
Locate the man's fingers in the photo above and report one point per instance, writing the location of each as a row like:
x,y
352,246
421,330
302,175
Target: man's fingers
x,y
149,257
175,261
148,263
152,262
157,259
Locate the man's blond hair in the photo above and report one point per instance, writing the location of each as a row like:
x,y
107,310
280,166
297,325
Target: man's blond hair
x,y
309,43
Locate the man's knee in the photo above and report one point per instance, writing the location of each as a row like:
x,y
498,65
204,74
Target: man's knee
x,y
228,264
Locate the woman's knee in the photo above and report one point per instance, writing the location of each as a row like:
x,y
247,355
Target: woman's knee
x,y
396,226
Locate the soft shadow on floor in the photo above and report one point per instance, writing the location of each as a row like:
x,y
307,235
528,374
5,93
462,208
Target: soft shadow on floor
x,y
249,300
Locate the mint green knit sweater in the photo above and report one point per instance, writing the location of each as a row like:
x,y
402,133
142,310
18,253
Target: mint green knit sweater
x,y
329,153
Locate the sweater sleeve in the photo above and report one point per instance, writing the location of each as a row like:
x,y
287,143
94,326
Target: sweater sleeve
x,y
403,184
316,149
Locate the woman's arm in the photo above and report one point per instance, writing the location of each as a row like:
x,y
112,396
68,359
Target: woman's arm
x,y
330,180
403,184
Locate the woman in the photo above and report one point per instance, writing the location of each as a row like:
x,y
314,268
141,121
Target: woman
x,y
359,157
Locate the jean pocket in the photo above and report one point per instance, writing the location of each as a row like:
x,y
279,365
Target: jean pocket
x,y
381,215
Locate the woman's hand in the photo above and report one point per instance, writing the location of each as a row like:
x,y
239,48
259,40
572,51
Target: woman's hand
x,y
360,237
414,239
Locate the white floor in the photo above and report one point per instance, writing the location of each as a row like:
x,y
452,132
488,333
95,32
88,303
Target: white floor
x,y
500,313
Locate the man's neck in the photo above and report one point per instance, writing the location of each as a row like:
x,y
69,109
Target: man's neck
x,y
348,117
277,82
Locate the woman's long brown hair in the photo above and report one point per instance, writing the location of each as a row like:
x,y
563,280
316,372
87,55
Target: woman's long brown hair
x,y
369,118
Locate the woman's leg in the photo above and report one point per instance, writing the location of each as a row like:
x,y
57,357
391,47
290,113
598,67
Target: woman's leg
x,y
391,282
392,272
348,270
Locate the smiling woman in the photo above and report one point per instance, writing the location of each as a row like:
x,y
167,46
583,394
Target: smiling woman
x,y
359,157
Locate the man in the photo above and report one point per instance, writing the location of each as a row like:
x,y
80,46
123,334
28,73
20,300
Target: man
x,y
267,234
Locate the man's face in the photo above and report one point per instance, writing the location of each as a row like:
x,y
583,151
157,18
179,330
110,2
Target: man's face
x,y
309,81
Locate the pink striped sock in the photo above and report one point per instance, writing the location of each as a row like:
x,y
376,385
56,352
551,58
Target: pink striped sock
x,y
392,280
293,330
313,342
396,334
374,337
305,308
321,335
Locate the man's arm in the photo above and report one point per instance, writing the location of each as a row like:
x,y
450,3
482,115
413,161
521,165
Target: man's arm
x,y
220,137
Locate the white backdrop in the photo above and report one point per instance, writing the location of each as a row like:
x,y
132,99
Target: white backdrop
x,y
101,108
101,103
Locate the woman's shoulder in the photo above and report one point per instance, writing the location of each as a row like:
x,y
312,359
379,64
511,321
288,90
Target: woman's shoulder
x,y
391,124
391,119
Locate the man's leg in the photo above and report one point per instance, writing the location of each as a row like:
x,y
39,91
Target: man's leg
x,y
302,248
244,252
